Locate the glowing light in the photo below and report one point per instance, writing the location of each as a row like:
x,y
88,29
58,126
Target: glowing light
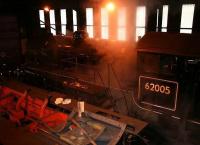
x,y
110,6
46,9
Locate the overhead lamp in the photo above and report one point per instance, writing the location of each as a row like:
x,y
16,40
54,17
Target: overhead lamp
x,y
46,9
110,6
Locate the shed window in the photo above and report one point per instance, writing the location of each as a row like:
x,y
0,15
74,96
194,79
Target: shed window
x,y
74,20
104,24
42,19
157,19
140,21
165,18
122,24
89,22
187,18
52,22
63,16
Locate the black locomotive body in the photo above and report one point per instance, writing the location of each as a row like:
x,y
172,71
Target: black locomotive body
x,y
169,74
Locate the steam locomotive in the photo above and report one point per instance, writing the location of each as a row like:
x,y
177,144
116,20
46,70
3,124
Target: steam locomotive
x,y
168,67
168,74
169,84
76,48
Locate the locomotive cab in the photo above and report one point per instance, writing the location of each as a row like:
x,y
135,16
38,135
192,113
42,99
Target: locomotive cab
x,y
168,74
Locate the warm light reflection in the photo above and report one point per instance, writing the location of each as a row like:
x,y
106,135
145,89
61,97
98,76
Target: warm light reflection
x,y
110,6
46,9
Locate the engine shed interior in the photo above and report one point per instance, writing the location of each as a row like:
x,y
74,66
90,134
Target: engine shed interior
x,y
100,72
